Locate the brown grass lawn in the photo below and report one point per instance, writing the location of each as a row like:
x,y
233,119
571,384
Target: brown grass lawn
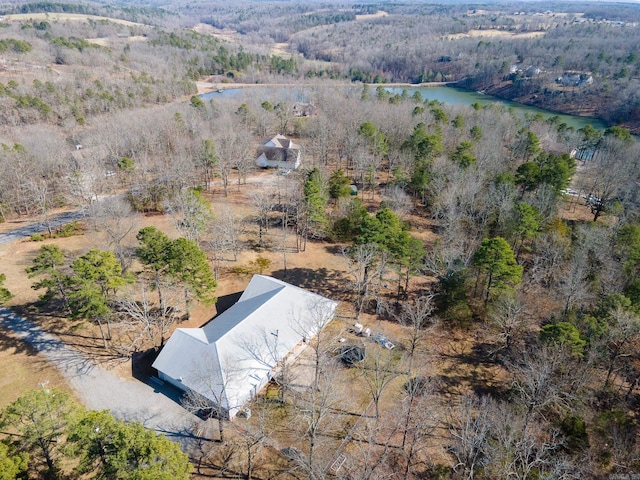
x,y
450,358
494,34
22,369
320,268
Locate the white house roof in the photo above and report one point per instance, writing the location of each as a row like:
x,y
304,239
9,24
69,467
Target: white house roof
x,y
280,141
231,358
279,152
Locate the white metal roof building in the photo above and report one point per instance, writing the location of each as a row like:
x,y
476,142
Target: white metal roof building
x,y
232,357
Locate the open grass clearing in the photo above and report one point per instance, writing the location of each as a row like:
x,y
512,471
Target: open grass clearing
x,y
22,369
494,34
107,42
60,17
371,16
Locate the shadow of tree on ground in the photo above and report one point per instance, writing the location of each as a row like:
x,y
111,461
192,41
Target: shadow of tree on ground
x,y
329,283
473,368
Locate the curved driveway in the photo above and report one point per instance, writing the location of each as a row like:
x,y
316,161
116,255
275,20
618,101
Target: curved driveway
x,y
99,389
38,227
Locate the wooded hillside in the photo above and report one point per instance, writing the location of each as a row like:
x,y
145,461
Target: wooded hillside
x,y
495,258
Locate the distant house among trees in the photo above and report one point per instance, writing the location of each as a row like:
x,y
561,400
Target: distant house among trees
x,y
525,71
583,153
230,359
279,152
303,109
574,79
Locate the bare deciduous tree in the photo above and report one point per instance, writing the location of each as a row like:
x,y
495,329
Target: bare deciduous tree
x,y
148,318
378,371
191,213
366,263
213,378
114,217
225,232
417,318
574,286
543,380
263,201
469,429
550,253
622,333
265,348
419,421
518,452
398,201
40,191
316,403
232,149
508,318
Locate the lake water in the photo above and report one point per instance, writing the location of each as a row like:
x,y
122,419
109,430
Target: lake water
x,y
448,95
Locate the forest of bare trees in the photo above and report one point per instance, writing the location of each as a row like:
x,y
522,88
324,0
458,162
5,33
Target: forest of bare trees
x,y
520,55
503,250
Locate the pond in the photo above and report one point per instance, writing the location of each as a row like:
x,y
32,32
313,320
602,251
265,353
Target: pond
x,y
459,96
444,94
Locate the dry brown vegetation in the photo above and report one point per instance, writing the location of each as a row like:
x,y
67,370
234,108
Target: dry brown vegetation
x,y
61,17
321,268
494,34
452,173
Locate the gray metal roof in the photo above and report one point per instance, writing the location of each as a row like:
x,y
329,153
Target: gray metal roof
x,y
231,357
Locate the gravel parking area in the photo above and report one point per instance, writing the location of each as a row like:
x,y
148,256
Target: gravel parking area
x,y
155,406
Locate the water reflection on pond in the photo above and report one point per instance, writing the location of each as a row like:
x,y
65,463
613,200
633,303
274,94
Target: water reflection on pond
x,y
444,94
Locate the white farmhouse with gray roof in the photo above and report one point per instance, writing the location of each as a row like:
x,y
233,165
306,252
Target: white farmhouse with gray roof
x,y
233,356
279,152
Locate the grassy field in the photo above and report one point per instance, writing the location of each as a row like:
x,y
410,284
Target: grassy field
x,y
22,369
58,17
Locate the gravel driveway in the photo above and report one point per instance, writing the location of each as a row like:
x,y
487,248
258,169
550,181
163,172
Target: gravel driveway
x,y
99,389
38,227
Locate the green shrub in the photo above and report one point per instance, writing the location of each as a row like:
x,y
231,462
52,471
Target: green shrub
x,y
69,230
574,428
260,264
64,231
563,333
241,270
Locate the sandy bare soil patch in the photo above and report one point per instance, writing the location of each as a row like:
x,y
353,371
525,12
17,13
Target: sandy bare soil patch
x,y
378,14
205,87
105,42
494,34
281,49
205,29
56,17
